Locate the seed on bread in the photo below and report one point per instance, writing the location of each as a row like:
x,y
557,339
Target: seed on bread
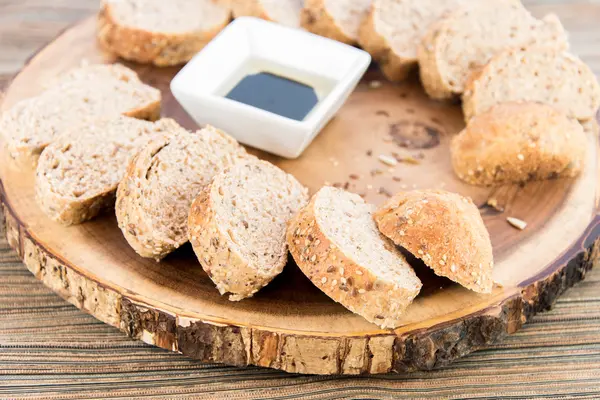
x,y
393,30
443,229
465,39
158,31
77,175
335,19
534,73
363,270
285,12
516,143
154,198
79,96
266,198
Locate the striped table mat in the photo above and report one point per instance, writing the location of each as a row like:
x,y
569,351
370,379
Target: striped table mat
x,y
51,350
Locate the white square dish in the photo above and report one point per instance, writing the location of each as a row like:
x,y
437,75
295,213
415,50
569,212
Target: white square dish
x,y
251,45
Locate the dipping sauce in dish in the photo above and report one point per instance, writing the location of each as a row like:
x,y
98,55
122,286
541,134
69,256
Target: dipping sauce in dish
x,y
276,94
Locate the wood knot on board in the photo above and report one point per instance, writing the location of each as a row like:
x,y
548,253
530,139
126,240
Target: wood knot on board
x,y
414,135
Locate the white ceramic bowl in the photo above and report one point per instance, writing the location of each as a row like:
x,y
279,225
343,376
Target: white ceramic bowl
x,y
243,47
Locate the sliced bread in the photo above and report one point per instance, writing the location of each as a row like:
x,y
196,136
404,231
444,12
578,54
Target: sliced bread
x,y
80,96
77,174
518,142
443,229
237,226
393,30
162,180
285,12
336,19
157,31
464,40
338,247
538,74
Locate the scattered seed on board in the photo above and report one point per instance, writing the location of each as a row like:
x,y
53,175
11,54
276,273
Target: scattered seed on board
x,y
388,160
517,223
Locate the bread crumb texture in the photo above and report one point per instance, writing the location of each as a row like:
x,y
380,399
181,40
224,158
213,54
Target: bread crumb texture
x,y
160,32
285,12
237,226
519,142
77,175
393,29
534,74
75,98
466,39
335,242
443,229
335,19
154,198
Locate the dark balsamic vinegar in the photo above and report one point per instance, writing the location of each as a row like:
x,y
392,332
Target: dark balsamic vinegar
x,y
278,89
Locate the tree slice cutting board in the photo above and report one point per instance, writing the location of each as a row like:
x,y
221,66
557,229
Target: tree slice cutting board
x,y
290,325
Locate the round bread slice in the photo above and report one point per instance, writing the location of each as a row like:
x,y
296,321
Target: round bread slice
x,y
237,226
77,175
154,197
518,142
443,229
335,19
157,31
464,40
393,30
534,74
80,96
338,247
285,12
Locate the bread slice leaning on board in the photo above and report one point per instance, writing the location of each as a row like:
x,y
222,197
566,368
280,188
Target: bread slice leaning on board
x,y
160,32
393,30
285,12
519,142
467,38
77,175
534,73
443,229
237,226
154,197
336,19
335,242
79,96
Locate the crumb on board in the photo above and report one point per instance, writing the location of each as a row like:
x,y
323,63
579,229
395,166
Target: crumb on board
x,y
396,178
369,152
517,223
354,177
375,84
492,202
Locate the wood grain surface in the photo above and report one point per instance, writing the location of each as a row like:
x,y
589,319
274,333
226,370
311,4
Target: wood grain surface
x,y
329,393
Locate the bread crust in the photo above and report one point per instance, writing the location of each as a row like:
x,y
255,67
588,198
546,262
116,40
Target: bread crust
x,y
394,67
315,18
340,277
443,229
516,143
160,49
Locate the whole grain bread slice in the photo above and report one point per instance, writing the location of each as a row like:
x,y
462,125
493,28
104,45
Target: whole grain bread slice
x,y
77,174
519,142
534,73
466,39
162,180
237,226
335,19
337,245
157,31
443,229
81,95
393,31
285,12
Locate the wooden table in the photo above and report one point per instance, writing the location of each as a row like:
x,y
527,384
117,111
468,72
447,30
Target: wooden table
x,y
49,349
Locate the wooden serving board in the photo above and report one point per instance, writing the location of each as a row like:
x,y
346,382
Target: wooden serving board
x,y
291,325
